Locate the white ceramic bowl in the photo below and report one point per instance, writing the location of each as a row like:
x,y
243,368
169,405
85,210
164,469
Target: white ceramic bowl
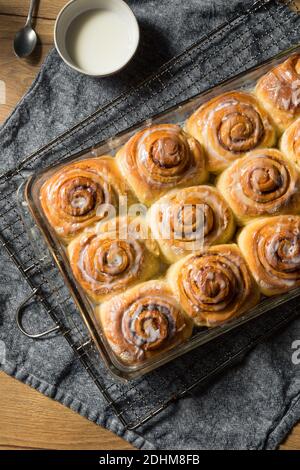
x,y
73,10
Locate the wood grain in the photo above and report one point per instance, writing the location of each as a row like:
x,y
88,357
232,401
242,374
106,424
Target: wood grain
x,y
18,74
46,9
29,420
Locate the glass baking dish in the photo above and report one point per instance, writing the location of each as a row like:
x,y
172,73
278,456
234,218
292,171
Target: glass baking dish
x,y
29,197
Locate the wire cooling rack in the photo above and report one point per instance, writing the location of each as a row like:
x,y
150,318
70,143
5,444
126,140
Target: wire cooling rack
x,y
195,69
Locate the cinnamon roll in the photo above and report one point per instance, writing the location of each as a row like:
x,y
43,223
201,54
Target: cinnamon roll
x,y
80,194
111,257
213,285
290,143
271,247
184,220
160,158
278,91
143,322
263,183
229,126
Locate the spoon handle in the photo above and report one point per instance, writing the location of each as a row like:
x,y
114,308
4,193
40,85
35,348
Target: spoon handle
x,y
31,11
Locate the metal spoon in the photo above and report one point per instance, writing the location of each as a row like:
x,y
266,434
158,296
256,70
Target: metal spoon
x,y
26,39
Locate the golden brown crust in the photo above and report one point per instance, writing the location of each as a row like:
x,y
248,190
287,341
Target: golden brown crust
x,y
160,158
214,285
111,257
229,126
263,183
143,322
73,196
290,143
271,247
278,91
184,220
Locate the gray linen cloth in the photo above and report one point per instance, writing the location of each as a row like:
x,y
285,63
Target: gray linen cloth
x,y
255,403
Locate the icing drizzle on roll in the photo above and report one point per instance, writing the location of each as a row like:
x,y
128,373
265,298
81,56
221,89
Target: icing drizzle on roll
x,y
107,264
78,194
214,285
230,125
240,127
262,183
148,322
271,247
105,261
186,220
160,158
144,321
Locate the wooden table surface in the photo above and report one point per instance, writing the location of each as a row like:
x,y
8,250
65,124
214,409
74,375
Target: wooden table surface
x,y
28,420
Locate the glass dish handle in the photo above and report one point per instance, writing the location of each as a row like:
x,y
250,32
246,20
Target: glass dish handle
x,y
20,312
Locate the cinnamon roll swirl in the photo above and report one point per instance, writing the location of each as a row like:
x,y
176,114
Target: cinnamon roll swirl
x,y
263,183
213,285
184,220
78,194
279,92
160,158
271,247
111,257
230,125
290,143
143,322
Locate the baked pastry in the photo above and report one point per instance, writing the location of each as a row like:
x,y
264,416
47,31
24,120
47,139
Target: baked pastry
x,y
80,194
229,126
271,247
143,322
184,220
263,183
213,285
278,91
160,158
290,143
111,257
